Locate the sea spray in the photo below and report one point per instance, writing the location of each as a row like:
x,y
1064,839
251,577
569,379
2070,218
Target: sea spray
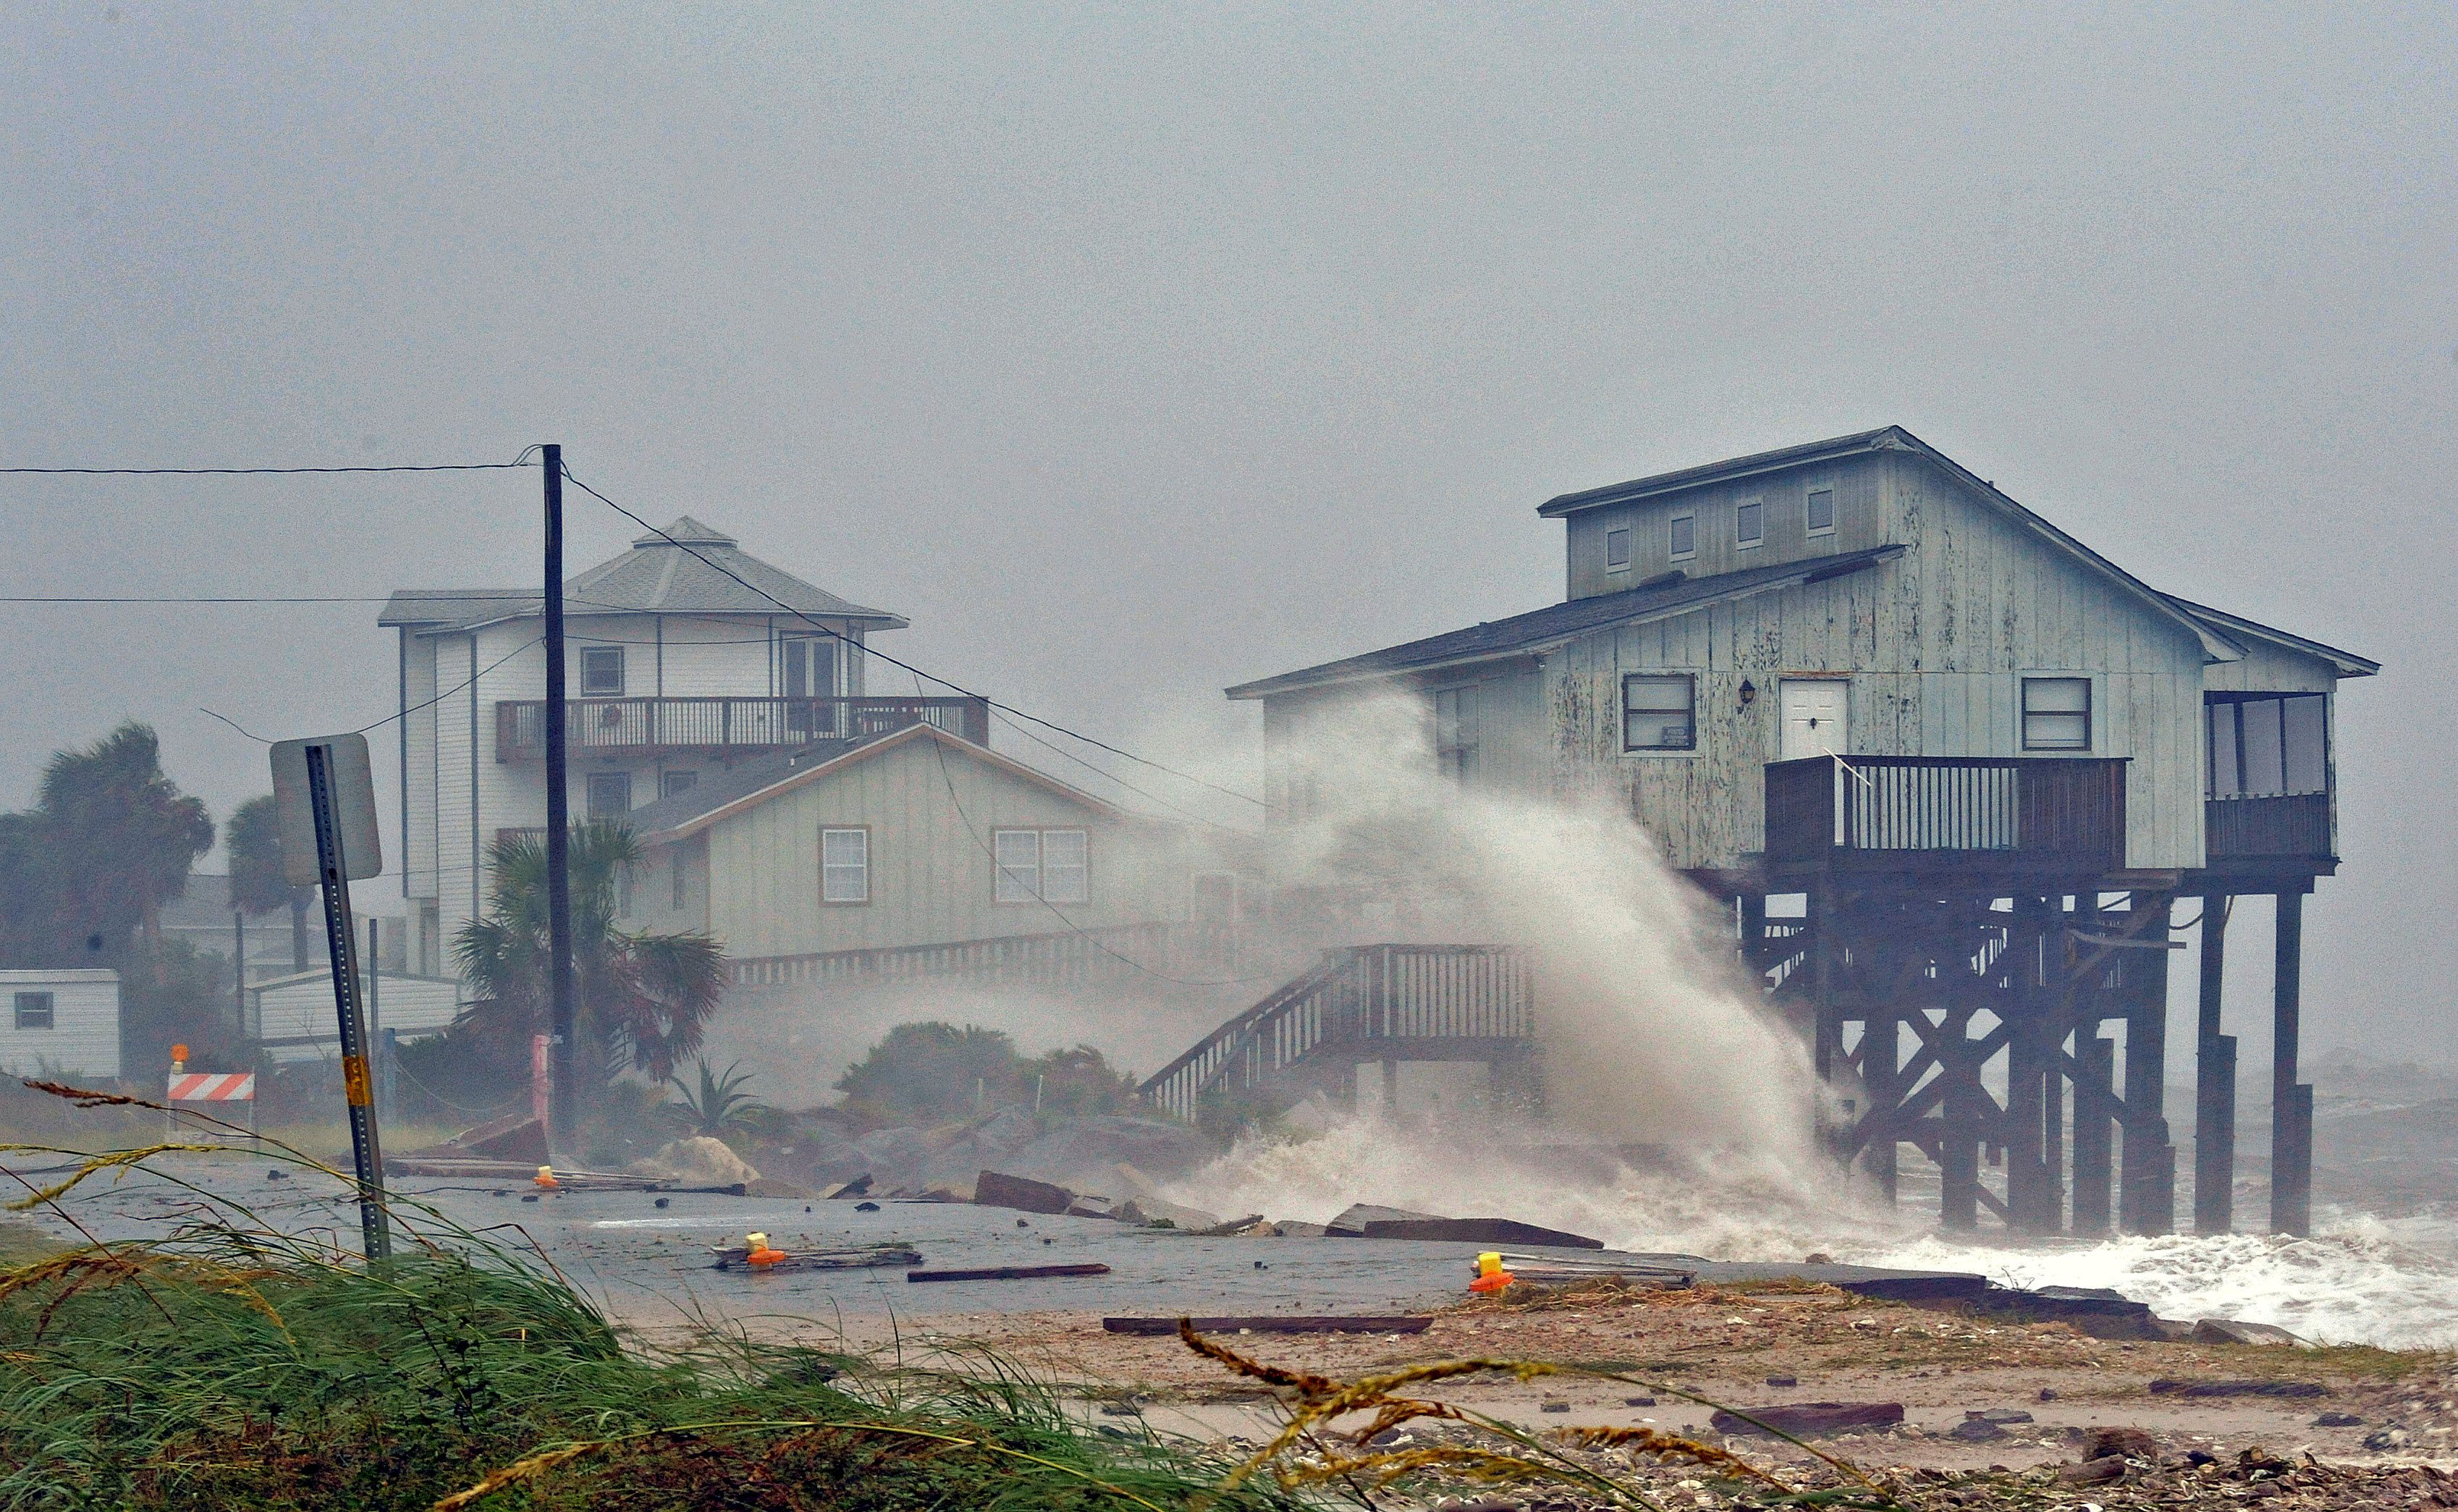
x,y
1650,1029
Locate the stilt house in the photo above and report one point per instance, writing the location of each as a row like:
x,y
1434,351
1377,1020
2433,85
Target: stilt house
x,y
1977,764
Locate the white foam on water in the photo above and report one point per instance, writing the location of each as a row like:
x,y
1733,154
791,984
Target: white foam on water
x,y
2340,1287
2362,1280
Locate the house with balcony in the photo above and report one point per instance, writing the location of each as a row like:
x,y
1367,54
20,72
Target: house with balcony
x,y
1950,767
678,674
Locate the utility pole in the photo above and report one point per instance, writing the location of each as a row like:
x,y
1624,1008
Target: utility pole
x,y
562,1116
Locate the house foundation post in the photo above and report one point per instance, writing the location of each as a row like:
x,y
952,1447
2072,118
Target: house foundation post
x,y
2291,1102
2214,1082
2147,1190
2095,1128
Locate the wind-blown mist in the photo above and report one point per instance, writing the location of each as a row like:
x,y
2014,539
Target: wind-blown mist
x,y
1649,1033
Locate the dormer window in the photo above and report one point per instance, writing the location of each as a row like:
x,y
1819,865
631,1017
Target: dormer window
x,y
1818,513
1749,522
1617,548
1683,536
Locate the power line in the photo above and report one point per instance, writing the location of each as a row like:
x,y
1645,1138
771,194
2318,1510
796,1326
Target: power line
x,y
100,598
830,630
257,472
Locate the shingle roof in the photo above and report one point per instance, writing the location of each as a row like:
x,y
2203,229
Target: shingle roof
x,y
755,782
719,789
1559,622
656,576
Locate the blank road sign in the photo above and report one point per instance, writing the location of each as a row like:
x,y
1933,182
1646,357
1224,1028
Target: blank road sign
x,y
354,800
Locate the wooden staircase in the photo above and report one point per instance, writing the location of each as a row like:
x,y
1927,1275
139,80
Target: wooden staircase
x,y
1361,1004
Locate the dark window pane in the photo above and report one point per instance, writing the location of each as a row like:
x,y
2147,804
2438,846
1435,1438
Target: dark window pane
x,y
1684,534
2302,722
1617,547
1820,512
1749,522
2263,775
2226,781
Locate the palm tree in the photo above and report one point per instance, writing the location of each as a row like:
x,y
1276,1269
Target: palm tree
x,y
718,1104
122,837
639,998
252,838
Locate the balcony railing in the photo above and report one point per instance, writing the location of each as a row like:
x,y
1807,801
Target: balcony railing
x,y
609,726
2244,828
2043,812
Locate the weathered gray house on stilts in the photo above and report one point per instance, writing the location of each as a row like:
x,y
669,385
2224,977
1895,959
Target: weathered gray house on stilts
x,y
1977,765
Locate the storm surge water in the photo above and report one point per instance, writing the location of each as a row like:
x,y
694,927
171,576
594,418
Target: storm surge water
x,y
1680,1113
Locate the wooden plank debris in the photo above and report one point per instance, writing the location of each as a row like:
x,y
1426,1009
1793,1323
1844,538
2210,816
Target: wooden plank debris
x,y
734,1258
1008,1273
1808,1419
1397,1323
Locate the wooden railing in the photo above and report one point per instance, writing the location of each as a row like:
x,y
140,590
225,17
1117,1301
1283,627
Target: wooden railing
x,y
1354,1001
1060,959
2296,825
598,726
2060,812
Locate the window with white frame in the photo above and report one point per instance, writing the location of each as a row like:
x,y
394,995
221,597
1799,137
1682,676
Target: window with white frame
x,y
1682,536
601,671
1749,521
1455,733
34,1010
1817,512
1617,548
844,865
1051,866
610,794
673,782
2056,713
1659,712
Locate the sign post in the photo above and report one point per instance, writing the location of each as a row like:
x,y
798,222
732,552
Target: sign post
x,y
324,794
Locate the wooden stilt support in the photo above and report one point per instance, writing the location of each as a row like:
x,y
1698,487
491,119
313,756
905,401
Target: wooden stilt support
x,y
2094,1128
2029,1198
1881,1074
1958,1137
2147,1188
2291,1103
2214,1084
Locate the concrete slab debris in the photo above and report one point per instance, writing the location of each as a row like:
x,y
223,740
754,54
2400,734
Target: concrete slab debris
x,y
1809,1419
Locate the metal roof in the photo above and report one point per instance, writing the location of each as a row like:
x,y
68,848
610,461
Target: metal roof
x,y
1539,629
1776,461
2347,663
656,576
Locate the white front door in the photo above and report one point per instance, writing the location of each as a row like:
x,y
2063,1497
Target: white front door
x,y
1813,717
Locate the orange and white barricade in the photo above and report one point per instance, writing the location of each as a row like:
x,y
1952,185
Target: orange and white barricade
x,y
216,1094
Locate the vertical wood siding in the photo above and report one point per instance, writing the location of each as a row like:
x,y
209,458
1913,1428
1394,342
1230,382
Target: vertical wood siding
x,y
931,873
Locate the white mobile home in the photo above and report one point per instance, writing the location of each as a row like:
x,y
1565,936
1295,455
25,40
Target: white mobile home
x,y
60,1024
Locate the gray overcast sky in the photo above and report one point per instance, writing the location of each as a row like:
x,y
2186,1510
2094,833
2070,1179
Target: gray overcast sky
x,y
1132,352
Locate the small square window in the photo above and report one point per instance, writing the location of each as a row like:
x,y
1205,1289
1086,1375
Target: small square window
x,y
610,794
34,1010
844,866
1684,535
1617,548
1818,515
1749,522
601,671
2056,713
673,782
1657,712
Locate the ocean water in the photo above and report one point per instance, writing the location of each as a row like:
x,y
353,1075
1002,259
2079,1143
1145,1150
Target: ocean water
x,y
2362,1278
